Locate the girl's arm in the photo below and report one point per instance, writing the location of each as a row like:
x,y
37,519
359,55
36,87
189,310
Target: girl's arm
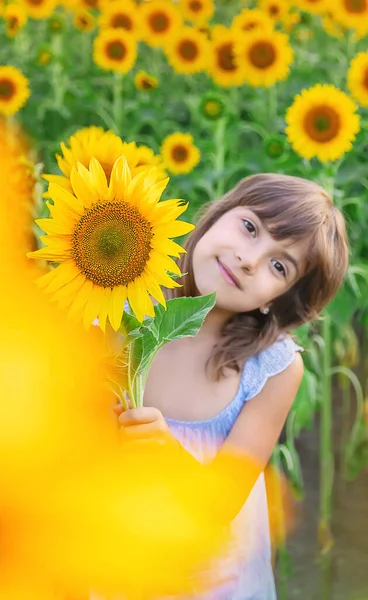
x,y
218,490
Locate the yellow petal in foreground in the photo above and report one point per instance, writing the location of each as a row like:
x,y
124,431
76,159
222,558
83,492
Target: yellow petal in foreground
x,y
112,241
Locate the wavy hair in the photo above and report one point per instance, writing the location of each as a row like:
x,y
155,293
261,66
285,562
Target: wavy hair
x,y
290,208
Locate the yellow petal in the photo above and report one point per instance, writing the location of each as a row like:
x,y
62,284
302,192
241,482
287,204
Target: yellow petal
x,y
93,306
167,246
54,227
161,278
59,180
163,262
63,215
98,178
104,309
65,295
62,196
81,298
120,179
116,306
136,299
154,289
82,188
175,229
63,274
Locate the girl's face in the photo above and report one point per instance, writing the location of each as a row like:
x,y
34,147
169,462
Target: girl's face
x,y
247,268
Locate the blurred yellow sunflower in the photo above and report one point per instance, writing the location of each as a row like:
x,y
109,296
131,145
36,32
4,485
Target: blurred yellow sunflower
x,y
250,19
111,242
357,78
277,10
322,122
115,50
84,20
144,81
197,11
290,21
106,147
223,67
264,57
15,18
351,13
121,15
39,9
44,57
331,26
14,90
179,154
188,51
317,7
159,20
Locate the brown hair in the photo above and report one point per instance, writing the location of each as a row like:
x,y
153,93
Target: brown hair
x,y
291,208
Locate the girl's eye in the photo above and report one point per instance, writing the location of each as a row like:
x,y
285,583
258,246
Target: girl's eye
x,y
279,267
250,227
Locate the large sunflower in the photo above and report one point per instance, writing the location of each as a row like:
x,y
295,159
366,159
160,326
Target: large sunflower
x,y
115,50
351,13
187,51
357,79
275,9
106,147
39,9
223,67
179,154
112,243
197,11
14,90
121,15
264,56
250,19
15,18
322,122
84,20
160,19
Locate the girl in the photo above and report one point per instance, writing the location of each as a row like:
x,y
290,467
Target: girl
x,y
274,250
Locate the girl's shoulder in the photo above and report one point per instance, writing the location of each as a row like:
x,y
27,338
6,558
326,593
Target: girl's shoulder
x,y
271,361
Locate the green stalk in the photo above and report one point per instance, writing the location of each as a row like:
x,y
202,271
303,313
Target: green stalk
x,y
283,556
272,107
326,464
117,101
57,74
220,156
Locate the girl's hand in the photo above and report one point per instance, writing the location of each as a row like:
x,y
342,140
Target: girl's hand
x,y
144,423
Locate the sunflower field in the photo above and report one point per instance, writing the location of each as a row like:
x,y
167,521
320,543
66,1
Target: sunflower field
x,y
209,92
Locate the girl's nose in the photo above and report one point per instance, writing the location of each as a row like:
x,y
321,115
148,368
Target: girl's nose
x,y
247,261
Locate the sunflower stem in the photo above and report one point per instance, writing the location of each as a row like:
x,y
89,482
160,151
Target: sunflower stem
x,y
220,155
117,100
272,115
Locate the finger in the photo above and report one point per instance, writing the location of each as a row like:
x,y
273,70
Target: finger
x,y
136,416
118,408
143,431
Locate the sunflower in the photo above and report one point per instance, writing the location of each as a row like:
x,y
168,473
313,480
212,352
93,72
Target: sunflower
x,y
187,51
159,20
277,10
322,122
223,68
331,26
351,13
251,19
15,18
264,57
84,20
106,147
317,7
112,243
357,78
144,81
14,90
123,15
179,154
212,106
39,9
197,11
44,56
115,50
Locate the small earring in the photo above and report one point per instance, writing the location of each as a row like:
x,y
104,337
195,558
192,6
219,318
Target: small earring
x,y
265,311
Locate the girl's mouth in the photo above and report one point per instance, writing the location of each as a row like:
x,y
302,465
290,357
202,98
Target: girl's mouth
x,y
228,275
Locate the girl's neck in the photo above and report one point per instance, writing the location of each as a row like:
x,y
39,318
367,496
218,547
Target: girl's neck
x,y
213,324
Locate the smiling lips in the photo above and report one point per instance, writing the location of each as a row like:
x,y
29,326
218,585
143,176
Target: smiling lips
x,y
228,275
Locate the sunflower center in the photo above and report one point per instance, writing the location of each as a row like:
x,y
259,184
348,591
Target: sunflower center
x,y
116,50
249,26
159,22
111,244
35,2
83,22
322,124
123,21
179,153
7,89
226,57
262,55
195,6
356,6
365,79
13,23
274,10
146,84
188,50
91,3
212,108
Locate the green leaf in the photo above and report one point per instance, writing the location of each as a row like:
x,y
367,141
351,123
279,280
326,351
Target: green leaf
x,y
305,404
183,317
